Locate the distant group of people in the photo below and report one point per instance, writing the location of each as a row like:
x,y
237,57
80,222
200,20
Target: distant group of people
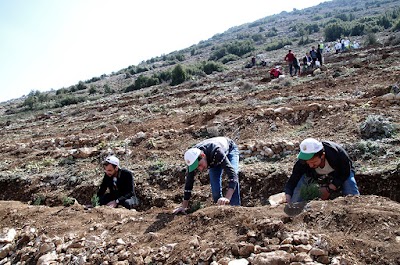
x,y
312,59
316,160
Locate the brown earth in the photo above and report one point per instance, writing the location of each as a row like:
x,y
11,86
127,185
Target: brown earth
x,y
51,156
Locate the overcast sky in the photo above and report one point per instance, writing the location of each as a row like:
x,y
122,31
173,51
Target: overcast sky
x,y
50,44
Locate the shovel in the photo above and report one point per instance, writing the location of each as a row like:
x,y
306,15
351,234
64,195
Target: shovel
x,y
294,208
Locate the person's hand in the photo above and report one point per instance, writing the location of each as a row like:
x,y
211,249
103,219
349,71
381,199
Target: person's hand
x,y
180,209
223,201
112,204
324,193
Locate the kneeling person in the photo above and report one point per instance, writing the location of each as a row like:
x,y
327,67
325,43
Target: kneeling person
x,y
321,159
119,182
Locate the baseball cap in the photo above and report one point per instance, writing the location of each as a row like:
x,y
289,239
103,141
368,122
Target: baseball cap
x,y
191,158
308,148
112,160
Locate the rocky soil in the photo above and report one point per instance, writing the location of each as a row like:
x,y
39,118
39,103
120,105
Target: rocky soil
x,y
52,158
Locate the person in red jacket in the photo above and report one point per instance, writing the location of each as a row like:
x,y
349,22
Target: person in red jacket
x,y
275,72
289,58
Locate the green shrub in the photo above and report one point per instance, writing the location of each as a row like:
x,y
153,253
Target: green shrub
x,y
277,45
218,53
311,28
334,31
34,98
396,26
272,32
384,22
229,58
376,127
178,75
69,100
180,57
257,37
61,91
92,90
370,39
357,30
209,67
238,48
157,166
107,89
342,16
165,75
305,41
68,201
39,199
143,81
81,86
366,149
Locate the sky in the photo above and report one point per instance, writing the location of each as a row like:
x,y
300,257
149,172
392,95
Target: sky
x,y
50,44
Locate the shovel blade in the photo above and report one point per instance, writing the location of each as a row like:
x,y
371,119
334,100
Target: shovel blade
x,y
294,208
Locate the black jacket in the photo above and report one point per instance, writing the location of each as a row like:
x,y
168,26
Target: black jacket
x,y
336,156
124,188
216,151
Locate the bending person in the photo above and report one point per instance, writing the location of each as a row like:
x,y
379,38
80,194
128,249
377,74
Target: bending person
x,y
216,154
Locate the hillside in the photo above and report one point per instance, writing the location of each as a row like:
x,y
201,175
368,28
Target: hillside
x,y
52,155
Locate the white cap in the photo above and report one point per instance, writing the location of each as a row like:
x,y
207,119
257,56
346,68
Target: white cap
x,y
112,160
191,158
308,148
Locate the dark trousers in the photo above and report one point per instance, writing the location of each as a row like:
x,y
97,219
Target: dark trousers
x,y
130,203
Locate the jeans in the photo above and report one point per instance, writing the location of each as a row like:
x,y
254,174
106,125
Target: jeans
x,y
216,177
291,68
349,187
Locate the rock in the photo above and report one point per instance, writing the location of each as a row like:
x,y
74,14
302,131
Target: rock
x,y
272,258
8,236
277,199
388,96
4,250
47,259
207,254
318,252
238,262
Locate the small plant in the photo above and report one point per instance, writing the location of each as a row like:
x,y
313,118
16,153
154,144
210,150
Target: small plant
x,y
157,166
310,192
195,207
95,200
68,201
39,199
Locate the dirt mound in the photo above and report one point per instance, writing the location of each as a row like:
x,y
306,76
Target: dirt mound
x,y
353,230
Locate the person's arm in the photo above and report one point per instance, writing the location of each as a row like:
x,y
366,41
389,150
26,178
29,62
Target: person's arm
x,y
126,186
297,172
189,181
102,188
341,163
232,175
